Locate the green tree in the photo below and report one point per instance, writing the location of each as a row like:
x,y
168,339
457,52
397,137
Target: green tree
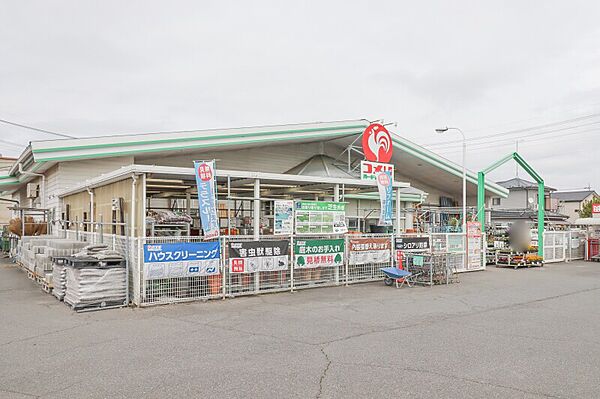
x,y
586,209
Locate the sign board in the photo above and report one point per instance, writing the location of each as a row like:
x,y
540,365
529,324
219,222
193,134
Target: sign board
x,y
412,244
318,217
318,253
369,170
595,210
377,143
258,256
363,251
181,259
284,217
384,186
205,180
474,243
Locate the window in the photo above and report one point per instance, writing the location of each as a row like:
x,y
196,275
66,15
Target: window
x,y
496,201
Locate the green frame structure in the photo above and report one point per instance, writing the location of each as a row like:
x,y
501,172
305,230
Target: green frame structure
x,y
541,194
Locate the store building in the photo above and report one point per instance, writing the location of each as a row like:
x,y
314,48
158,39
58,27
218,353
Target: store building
x,y
48,169
140,192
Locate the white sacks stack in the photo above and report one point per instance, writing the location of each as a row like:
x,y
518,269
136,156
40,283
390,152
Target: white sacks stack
x,y
95,277
95,286
59,279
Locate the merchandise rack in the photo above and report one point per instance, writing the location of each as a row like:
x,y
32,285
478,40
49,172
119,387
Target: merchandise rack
x,y
509,258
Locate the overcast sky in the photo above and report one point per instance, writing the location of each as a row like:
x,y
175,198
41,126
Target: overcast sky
x,y
90,68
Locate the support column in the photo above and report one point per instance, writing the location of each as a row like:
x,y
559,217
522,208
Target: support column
x,y
256,215
481,200
409,219
541,215
336,198
91,193
188,202
398,206
256,225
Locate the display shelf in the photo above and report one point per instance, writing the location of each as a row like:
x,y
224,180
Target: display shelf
x,y
509,258
168,230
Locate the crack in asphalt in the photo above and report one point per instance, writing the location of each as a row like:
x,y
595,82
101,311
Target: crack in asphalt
x,y
324,373
451,376
45,334
19,393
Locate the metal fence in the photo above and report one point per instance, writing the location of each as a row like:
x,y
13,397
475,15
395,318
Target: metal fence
x,y
555,246
243,283
455,244
366,254
320,276
149,290
576,242
363,257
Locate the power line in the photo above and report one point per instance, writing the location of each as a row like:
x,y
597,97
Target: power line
x,y
537,127
512,139
12,143
484,146
36,129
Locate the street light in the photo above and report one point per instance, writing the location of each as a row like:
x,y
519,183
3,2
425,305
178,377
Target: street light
x,y
464,176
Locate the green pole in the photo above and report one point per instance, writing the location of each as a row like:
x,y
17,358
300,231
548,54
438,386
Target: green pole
x,y
541,214
481,200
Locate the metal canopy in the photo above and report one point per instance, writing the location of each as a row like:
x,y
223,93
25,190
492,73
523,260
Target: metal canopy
x,y
243,177
541,194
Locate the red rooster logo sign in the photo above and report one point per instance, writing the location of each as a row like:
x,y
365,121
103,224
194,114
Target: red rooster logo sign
x,y
377,143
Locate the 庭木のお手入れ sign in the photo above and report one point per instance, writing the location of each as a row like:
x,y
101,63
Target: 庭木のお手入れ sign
x,y
318,253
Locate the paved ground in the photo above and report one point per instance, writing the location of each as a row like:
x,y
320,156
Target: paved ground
x,y
497,334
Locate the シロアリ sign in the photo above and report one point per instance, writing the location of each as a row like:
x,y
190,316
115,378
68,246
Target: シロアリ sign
x,y
595,208
377,143
181,259
258,256
412,243
318,253
369,170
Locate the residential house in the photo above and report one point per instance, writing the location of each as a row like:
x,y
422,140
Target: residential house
x,y
570,203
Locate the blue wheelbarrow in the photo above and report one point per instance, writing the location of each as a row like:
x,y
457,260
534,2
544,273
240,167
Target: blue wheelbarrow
x,y
398,276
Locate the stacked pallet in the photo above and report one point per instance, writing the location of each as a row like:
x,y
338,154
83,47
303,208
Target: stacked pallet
x,y
59,277
95,278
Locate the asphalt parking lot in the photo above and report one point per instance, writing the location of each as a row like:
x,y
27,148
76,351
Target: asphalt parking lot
x,y
501,333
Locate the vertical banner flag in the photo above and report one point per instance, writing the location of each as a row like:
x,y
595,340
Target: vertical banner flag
x,y
384,185
205,180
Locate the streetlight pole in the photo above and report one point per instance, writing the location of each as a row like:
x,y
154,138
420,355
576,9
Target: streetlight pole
x,y
464,180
